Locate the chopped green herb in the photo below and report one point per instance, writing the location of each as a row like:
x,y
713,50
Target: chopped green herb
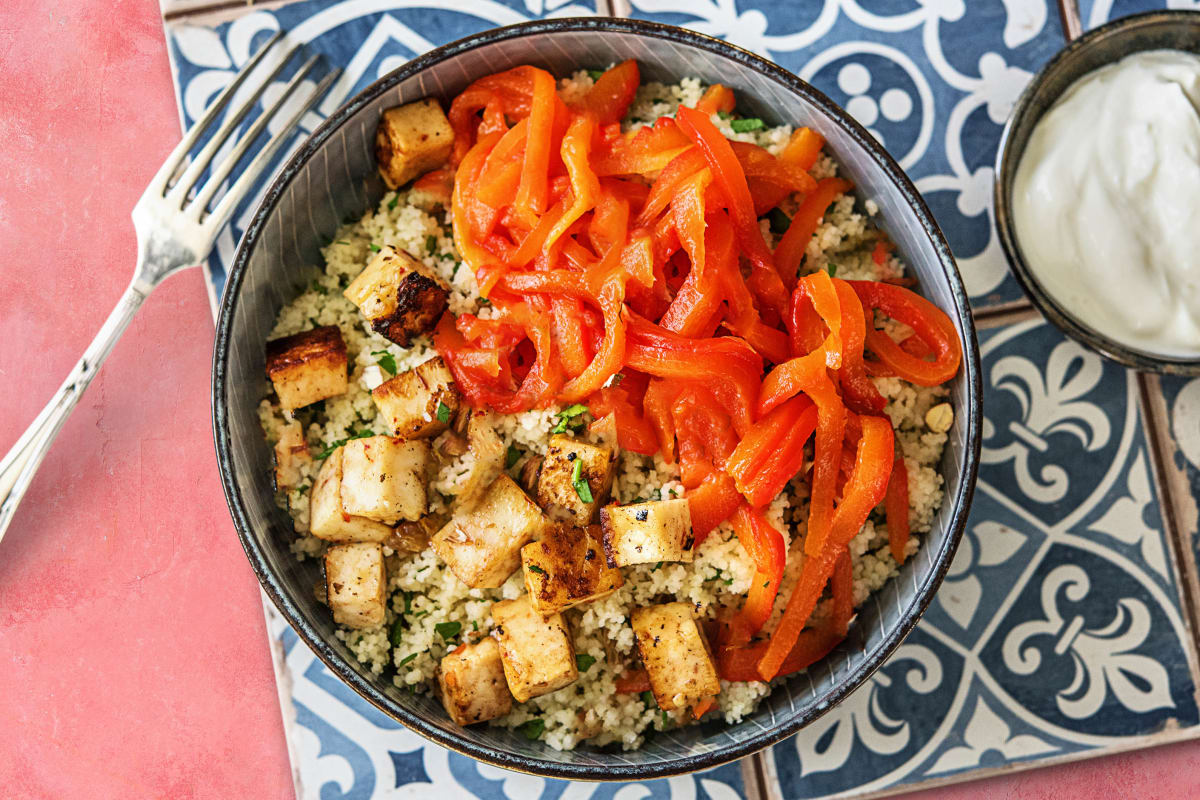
x,y
301,489
431,243
577,480
342,241
407,603
595,74
407,659
665,720
533,729
448,630
747,125
648,698
584,662
474,625
512,456
537,569
385,360
483,301
318,288
566,416
832,270
328,451
393,202
397,631
374,247
780,221
728,581
724,115
443,412
420,614
657,567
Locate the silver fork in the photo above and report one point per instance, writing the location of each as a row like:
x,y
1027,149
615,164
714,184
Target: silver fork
x,y
175,229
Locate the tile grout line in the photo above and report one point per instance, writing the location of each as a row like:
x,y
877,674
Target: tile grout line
x,y
1160,444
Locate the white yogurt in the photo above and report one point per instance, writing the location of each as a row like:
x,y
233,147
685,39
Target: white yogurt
x,y
1106,201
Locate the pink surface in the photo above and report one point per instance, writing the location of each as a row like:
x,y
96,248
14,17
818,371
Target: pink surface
x,y
135,663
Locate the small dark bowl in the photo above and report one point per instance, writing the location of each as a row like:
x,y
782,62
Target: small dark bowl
x,y
333,177
1155,30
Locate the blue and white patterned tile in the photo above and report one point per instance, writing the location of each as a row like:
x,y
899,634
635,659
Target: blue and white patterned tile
x,y
933,80
1061,614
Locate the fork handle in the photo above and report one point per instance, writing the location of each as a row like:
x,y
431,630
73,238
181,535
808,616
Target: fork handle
x,y
21,462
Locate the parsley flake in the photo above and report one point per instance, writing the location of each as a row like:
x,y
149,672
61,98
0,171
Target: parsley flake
x,y
431,243
393,202
581,485
533,729
724,115
374,247
512,456
648,698
567,418
584,662
328,451
397,632
448,630
443,412
385,360
536,568
747,125
318,288
832,270
595,74
407,659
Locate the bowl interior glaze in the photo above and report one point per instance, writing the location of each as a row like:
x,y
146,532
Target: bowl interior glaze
x,y
332,177
1154,30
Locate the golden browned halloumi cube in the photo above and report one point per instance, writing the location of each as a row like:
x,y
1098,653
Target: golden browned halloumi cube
x,y
419,402
487,463
398,296
482,545
569,463
327,517
566,567
536,650
308,367
675,655
472,683
411,140
291,456
645,533
356,584
385,479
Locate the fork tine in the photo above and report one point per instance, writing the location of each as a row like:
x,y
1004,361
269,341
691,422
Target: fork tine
x,y
204,158
242,185
162,178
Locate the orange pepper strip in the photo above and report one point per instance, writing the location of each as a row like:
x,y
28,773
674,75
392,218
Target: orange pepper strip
x,y
532,193
669,183
503,93
464,239
647,151
711,503
860,393
841,584
790,250
703,707
731,180
613,91
657,404
698,301
741,663
896,507
803,148
633,682
634,432
764,544
772,451
585,186
567,321
929,323
716,98
864,490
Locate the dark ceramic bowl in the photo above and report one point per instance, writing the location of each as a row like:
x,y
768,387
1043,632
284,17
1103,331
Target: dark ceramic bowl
x,y
1155,30
332,177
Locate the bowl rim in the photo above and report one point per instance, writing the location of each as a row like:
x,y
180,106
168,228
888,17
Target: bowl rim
x,y
926,585
1087,335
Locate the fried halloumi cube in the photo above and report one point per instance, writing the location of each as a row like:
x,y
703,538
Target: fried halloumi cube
x,y
398,296
291,456
575,480
411,140
566,567
488,452
482,545
419,402
385,479
307,367
536,650
327,517
356,584
472,683
675,655
645,533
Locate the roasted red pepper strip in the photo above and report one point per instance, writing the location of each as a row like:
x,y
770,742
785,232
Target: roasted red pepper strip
x,y
864,490
634,432
711,503
841,584
896,507
533,192
716,98
741,663
731,180
585,186
861,394
764,544
929,323
772,451
633,682
613,91
790,250
803,148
